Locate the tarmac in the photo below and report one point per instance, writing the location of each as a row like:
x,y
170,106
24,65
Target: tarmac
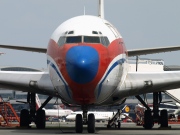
x,y
68,128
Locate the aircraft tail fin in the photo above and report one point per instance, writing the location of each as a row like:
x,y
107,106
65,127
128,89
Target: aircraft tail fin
x,y
57,107
38,102
126,109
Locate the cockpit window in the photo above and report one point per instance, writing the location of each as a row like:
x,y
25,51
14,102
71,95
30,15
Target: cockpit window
x,y
74,39
61,41
89,39
86,39
104,41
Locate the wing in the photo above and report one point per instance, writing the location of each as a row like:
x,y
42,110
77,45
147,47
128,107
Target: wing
x,y
24,48
137,52
37,82
131,53
137,83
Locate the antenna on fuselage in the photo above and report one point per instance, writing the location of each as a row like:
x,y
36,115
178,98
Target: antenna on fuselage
x,y
84,10
101,9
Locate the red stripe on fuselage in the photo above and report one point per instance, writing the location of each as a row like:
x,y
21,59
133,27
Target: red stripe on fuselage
x,y
84,93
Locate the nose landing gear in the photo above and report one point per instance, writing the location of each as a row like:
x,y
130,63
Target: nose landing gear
x,y
87,119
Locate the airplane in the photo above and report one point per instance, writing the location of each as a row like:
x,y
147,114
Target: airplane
x,y
99,115
88,66
59,112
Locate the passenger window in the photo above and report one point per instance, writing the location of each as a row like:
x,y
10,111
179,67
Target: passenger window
x,y
61,41
73,39
88,39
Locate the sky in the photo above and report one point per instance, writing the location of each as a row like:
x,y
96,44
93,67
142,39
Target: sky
x,y
142,24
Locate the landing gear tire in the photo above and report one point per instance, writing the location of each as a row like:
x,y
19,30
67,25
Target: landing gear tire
x,y
40,119
79,123
91,123
108,126
148,120
119,125
164,118
24,118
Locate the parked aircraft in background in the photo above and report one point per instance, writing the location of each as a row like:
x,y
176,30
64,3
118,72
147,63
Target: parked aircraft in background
x,y
59,112
103,115
99,116
88,66
1,53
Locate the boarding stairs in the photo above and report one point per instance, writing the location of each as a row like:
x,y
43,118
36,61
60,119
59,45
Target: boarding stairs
x,y
8,118
116,119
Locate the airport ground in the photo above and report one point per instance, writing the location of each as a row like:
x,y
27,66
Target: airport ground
x,y
68,128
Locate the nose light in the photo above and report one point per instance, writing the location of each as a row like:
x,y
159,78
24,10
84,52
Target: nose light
x,y
82,63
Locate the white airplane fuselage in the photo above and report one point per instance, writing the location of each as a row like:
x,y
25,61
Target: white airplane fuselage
x,y
57,113
98,115
87,60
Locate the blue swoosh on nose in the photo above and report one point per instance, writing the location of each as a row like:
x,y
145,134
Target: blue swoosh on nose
x,y
82,63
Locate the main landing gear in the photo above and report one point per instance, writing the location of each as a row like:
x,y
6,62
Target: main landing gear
x,y
37,116
153,116
86,119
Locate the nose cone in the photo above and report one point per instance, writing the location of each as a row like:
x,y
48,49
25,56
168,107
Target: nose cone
x,y
82,63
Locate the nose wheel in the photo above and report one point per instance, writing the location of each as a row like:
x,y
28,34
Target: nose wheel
x,y
80,121
91,123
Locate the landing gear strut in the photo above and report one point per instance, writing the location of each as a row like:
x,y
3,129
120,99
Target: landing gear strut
x,y
37,116
152,116
26,116
162,119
